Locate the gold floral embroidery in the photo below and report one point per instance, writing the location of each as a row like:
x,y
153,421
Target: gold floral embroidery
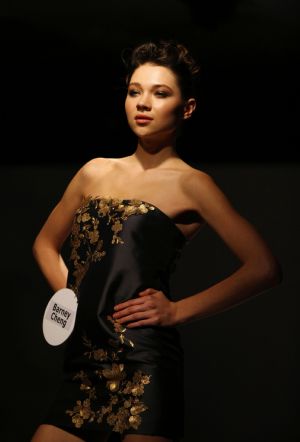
x,y
124,406
86,241
120,330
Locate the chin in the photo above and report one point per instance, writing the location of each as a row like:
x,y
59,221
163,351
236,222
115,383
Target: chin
x,y
142,131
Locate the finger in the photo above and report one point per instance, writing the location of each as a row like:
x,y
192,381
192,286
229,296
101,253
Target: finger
x,y
135,316
126,304
140,323
146,292
130,310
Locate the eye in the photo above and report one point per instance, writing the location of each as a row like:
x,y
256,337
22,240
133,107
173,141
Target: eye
x,y
132,92
162,94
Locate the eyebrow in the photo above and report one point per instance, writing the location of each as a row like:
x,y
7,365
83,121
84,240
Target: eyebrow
x,y
155,85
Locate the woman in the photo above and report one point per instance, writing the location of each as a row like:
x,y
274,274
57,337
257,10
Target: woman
x,y
129,219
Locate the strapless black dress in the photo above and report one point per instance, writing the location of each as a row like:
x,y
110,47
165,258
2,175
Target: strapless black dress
x,y
120,380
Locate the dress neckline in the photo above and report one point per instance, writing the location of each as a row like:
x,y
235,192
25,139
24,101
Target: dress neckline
x,y
169,219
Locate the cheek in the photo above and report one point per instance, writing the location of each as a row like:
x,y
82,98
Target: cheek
x,y
128,107
170,111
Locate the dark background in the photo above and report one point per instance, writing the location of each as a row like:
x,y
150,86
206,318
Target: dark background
x,y
63,90
241,375
62,103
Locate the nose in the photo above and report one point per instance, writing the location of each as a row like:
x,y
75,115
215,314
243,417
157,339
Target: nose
x,y
143,102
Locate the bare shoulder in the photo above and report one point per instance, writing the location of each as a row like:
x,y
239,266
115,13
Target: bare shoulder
x,y
196,179
91,172
81,181
205,193
94,166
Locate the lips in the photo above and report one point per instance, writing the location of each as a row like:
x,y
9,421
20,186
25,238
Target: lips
x,y
142,118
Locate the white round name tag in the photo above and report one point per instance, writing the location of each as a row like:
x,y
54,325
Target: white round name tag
x,y
59,317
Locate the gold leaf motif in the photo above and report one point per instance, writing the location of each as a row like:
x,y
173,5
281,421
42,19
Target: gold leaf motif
x,y
117,226
82,411
100,355
143,208
93,236
122,410
85,217
130,210
137,409
86,241
127,404
145,379
135,421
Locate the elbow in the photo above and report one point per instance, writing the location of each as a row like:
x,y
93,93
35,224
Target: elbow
x,y
273,273
34,248
42,245
277,276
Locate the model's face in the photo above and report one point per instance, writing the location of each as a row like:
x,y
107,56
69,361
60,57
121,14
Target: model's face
x,y
153,91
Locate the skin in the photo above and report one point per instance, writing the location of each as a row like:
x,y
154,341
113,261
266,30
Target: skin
x,y
164,103
155,173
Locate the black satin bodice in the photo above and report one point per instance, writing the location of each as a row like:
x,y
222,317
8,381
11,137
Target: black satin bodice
x,y
120,247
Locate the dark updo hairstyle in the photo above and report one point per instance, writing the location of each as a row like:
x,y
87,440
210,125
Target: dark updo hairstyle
x,y
168,53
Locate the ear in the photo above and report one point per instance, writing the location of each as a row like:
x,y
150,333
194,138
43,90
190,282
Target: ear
x,y
189,108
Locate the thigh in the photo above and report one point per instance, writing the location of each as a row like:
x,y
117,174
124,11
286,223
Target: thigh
x,y
51,433
144,438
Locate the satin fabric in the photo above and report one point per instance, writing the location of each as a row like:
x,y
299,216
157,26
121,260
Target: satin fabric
x,y
146,257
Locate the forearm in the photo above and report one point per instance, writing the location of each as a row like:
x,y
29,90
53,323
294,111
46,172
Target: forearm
x,y
242,284
52,266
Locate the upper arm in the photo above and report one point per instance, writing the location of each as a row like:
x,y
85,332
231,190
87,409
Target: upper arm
x,y
59,223
238,234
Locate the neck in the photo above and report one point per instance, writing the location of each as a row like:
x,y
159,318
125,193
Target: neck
x,y
152,154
